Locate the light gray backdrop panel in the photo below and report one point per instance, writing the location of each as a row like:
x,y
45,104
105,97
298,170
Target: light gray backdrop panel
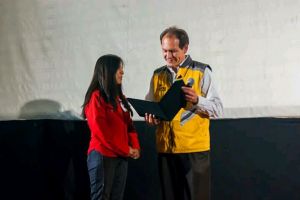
x,y
48,50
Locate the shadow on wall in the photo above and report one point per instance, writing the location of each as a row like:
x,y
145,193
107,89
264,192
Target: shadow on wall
x,y
46,109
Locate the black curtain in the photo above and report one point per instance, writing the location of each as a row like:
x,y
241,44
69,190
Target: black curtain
x,y
257,158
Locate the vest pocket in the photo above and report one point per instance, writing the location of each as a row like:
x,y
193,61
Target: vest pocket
x,y
193,135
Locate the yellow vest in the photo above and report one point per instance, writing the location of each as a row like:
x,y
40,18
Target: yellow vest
x,y
187,132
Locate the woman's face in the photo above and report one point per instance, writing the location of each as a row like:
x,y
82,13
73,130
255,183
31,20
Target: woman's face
x,y
119,75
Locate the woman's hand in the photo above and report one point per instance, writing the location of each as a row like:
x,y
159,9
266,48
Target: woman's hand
x,y
134,153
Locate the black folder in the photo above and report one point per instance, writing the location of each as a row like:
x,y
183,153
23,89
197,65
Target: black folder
x,y
168,106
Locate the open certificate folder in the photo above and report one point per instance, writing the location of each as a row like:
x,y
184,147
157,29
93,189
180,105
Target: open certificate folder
x,y
168,106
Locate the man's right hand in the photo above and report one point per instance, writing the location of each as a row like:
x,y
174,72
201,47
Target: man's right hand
x,y
151,120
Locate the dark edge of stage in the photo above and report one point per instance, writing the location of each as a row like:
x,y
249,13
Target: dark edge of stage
x,y
252,158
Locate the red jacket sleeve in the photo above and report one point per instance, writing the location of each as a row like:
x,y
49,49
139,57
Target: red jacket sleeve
x,y
132,134
97,120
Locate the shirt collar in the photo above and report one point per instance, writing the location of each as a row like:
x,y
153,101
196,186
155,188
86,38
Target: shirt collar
x,y
187,61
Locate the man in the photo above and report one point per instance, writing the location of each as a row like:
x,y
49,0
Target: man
x,y
183,144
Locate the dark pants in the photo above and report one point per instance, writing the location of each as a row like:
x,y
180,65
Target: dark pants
x,y
115,174
95,168
185,176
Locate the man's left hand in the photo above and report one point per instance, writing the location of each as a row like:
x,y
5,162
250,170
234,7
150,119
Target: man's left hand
x,y
190,95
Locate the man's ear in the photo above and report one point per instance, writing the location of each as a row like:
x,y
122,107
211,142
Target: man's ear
x,y
185,48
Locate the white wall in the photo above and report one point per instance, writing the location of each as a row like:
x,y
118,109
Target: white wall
x,y
48,50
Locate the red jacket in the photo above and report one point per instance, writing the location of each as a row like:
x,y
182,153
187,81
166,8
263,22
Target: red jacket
x,y
112,131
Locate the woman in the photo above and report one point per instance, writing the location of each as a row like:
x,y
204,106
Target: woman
x,y
113,137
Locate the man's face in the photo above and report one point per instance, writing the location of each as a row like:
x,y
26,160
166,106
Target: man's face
x,y
171,51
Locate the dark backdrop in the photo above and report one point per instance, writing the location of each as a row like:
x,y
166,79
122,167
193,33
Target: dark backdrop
x,y
251,159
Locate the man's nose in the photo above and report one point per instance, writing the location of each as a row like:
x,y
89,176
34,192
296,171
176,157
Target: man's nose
x,y
169,54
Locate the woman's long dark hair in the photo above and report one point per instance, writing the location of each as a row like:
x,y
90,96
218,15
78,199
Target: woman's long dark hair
x,y
104,80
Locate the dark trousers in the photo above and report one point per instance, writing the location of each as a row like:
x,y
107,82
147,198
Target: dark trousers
x,y
95,168
185,176
115,174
